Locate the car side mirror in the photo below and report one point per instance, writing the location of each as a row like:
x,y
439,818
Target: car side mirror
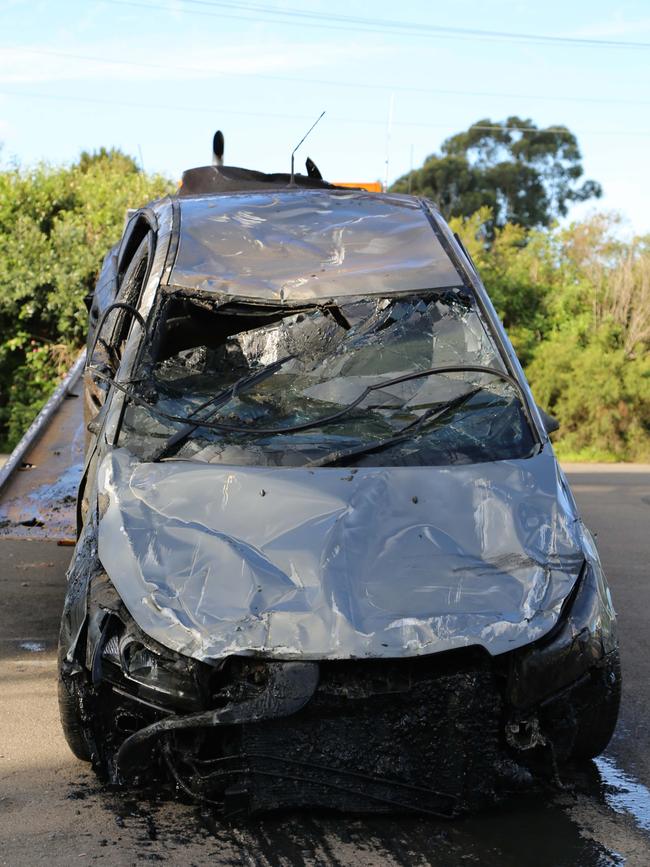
x,y
550,424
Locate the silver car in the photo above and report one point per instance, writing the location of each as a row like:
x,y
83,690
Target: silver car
x,y
326,554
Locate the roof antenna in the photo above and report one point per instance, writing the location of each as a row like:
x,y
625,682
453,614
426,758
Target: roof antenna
x,y
291,182
218,145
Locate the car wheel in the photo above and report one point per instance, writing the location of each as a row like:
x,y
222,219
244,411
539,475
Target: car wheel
x,y
70,714
597,720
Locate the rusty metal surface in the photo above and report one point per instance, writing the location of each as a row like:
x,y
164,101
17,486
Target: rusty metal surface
x,y
38,500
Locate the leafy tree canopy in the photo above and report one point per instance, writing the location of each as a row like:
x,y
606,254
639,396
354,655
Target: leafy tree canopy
x,y
575,299
525,175
108,157
576,304
56,226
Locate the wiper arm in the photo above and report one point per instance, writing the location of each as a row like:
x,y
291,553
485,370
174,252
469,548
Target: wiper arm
x,y
176,440
406,433
328,419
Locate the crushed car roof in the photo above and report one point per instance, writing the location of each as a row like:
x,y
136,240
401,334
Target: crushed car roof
x,y
294,245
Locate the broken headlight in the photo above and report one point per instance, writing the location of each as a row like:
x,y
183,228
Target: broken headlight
x,y
162,677
584,635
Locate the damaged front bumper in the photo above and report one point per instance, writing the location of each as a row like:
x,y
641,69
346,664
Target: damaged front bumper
x,y
553,684
437,734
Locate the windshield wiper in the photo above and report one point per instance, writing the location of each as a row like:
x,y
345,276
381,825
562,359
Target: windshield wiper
x,y
406,433
324,420
176,440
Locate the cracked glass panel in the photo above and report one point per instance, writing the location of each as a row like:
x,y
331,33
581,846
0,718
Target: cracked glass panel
x,y
343,384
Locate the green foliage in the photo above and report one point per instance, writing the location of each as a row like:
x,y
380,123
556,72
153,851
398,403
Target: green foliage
x,y
599,394
524,175
56,225
576,303
518,269
32,381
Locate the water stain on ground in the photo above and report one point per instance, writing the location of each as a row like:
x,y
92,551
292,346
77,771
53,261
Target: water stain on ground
x,y
600,818
49,511
33,646
623,793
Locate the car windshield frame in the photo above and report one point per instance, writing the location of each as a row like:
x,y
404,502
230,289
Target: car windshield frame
x,y
167,292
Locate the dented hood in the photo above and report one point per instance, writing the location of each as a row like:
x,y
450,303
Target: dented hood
x,y
331,563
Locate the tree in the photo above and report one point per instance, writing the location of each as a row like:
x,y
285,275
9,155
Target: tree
x,y
109,157
576,303
525,175
56,225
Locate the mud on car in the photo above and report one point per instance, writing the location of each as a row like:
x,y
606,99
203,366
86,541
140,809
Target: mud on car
x,y
326,555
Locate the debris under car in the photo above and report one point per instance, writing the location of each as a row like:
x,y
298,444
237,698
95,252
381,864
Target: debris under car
x,y
326,555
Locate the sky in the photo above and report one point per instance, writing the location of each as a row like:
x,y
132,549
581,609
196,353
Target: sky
x,y
156,78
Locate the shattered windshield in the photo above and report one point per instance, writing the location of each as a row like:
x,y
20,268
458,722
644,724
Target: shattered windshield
x,y
325,384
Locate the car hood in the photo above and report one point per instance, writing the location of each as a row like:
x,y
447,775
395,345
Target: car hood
x,y
212,560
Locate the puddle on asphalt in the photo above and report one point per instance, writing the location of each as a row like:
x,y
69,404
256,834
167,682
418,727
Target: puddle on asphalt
x,y
623,793
49,510
59,493
535,829
32,646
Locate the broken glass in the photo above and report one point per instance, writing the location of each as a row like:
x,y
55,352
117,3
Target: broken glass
x,y
275,386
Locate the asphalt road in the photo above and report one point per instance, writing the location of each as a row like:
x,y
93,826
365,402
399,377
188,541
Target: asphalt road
x,y
52,811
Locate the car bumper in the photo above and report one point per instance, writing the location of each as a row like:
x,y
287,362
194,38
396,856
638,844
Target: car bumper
x,y
436,734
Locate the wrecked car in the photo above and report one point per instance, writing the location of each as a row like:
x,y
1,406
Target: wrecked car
x,y
326,555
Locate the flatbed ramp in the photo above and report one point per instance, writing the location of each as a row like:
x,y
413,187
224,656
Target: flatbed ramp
x,y
39,482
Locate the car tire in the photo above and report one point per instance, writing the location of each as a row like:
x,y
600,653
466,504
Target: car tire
x,y
597,721
70,714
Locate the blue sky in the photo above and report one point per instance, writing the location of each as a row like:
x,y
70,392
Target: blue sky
x,y
157,77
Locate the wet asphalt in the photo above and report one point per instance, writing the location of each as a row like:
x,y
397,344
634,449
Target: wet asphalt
x,y
53,811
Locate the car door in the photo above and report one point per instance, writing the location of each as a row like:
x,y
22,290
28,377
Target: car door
x,y
105,355
109,328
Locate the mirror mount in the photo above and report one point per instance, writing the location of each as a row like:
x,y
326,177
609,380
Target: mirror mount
x,y
94,425
550,423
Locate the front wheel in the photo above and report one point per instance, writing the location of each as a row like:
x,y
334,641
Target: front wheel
x,y
70,713
596,719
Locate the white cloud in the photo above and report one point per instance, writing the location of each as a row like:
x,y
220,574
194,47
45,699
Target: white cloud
x,y
38,64
617,27
6,128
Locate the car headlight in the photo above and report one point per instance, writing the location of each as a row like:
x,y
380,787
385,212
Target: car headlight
x,y
585,633
163,677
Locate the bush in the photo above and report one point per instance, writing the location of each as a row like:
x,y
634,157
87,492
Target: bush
x,y
576,303
56,225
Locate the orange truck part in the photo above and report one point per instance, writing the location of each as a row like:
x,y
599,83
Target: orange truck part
x,y
370,186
